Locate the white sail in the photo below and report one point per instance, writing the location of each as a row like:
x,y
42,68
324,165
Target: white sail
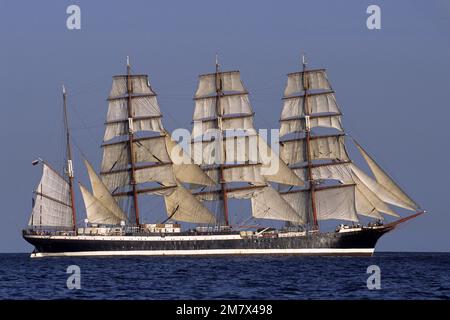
x,y
230,81
328,148
116,156
299,125
300,201
323,103
162,174
249,149
336,203
181,205
341,172
268,204
322,148
52,206
241,173
365,207
96,211
242,122
101,193
386,181
372,197
145,111
315,80
141,107
139,85
185,170
379,190
229,105
273,168
117,129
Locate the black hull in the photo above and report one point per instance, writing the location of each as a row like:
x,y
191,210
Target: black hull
x,y
360,242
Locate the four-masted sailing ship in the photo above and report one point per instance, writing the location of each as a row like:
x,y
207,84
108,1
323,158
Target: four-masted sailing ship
x,y
227,161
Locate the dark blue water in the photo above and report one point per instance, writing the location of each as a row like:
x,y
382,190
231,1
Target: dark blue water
x,y
403,276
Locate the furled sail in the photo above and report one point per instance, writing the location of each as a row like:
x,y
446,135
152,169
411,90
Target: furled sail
x,y
52,206
383,178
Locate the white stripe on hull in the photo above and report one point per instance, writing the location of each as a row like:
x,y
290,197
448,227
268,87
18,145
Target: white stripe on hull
x,y
206,252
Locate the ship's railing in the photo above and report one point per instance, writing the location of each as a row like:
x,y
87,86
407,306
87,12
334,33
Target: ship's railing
x,y
48,232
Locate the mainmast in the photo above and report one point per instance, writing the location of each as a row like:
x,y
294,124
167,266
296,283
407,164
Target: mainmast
x,y
245,160
69,160
308,145
130,140
219,93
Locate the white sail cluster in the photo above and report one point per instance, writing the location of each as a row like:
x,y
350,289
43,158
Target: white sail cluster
x,y
134,110
228,159
52,205
353,192
231,152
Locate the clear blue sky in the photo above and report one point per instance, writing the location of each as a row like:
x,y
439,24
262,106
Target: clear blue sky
x,y
392,84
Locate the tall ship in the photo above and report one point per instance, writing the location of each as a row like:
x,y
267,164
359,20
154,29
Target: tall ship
x,y
226,190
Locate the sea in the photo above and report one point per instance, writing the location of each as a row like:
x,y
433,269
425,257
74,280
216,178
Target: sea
x,y
383,276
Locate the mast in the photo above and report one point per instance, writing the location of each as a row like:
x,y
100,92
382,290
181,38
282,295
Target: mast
x,y
308,146
219,93
130,143
222,103
69,161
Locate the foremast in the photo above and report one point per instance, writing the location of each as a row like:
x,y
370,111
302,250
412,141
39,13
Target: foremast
x,y
338,189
